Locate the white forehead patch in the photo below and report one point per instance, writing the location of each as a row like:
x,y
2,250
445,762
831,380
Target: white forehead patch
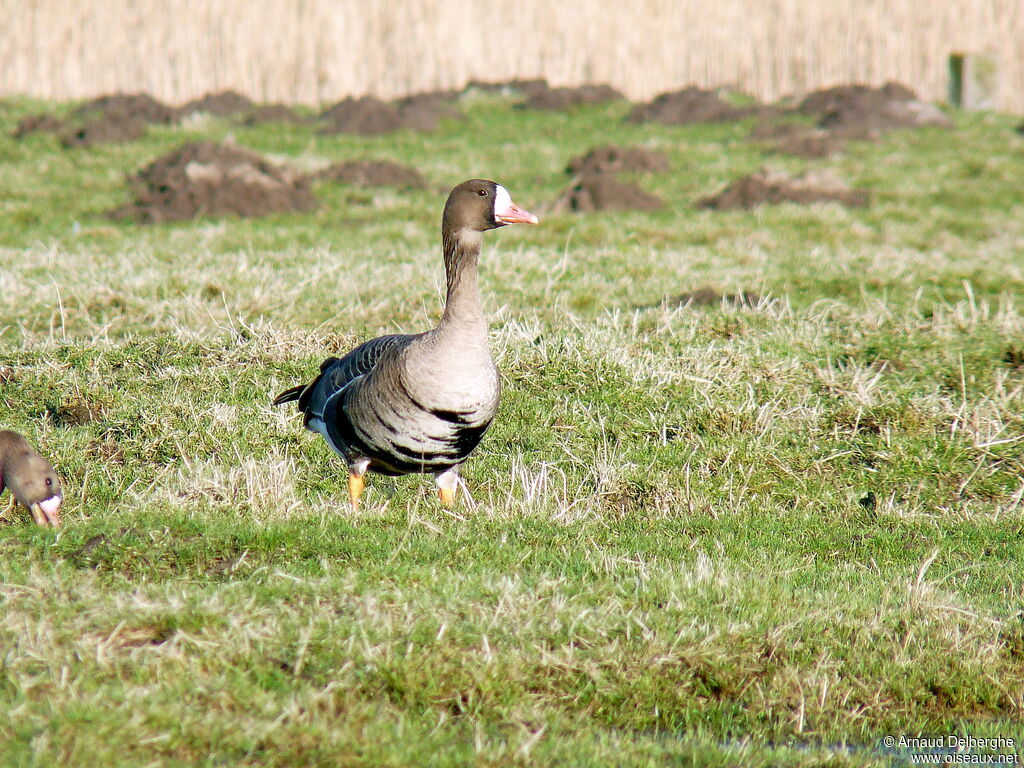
x,y
502,201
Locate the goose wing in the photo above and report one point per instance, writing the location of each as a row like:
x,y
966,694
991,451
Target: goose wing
x,y
336,373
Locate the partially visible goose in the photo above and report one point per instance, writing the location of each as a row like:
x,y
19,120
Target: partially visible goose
x,y
31,479
421,402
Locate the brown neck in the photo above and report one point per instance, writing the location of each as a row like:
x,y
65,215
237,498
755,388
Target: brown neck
x,y
461,257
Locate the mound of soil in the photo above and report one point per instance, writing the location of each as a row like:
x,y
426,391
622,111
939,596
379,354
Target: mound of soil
x,y
423,111
117,117
860,111
826,99
44,123
797,139
768,187
518,87
690,105
127,106
706,297
436,98
612,159
104,130
272,113
603,192
564,98
369,116
373,173
220,104
208,179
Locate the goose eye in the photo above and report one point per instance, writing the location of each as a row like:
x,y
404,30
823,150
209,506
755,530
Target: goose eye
x,y
482,193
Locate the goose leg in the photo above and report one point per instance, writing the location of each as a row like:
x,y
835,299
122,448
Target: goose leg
x,y
447,485
356,481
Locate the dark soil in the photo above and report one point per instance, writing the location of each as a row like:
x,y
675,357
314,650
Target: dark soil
x,y
612,159
272,113
105,450
826,99
423,111
1014,357
706,297
797,139
565,98
369,116
709,297
127,106
366,116
208,179
104,130
519,87
220,104
119,117
690,105
766,187
449,96
812,145
603,192
860,111
374,173
75,411
435,98
44,123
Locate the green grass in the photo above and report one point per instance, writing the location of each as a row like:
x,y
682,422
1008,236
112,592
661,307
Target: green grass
x,y
707,536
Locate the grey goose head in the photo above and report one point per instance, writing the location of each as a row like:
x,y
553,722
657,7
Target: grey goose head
x,y
479,205
31,479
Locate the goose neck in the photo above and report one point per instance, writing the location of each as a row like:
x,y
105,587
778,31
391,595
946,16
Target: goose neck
x,y
461,261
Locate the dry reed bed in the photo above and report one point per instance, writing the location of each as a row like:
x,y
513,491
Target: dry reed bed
x,y
321,50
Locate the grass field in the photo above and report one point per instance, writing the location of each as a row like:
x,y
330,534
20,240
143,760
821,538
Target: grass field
x,y
758,536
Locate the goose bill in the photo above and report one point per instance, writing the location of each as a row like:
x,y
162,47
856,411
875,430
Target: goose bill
x,y
513,214
47,512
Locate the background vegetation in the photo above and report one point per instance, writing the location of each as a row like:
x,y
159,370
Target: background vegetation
x,y
321,50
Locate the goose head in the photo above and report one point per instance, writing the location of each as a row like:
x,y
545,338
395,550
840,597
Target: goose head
x,y
479,205
31,479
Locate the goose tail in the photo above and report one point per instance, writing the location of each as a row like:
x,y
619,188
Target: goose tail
x,y
289,395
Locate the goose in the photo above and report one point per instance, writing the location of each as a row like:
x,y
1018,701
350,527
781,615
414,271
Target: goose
x,y
419,403
31,479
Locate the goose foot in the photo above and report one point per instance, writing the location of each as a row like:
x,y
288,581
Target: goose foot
x,y
447,486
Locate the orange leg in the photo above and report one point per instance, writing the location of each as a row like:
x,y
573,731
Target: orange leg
x,y
356,483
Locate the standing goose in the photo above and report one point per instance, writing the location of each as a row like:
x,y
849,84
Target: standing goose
x,y
31,479
421,402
